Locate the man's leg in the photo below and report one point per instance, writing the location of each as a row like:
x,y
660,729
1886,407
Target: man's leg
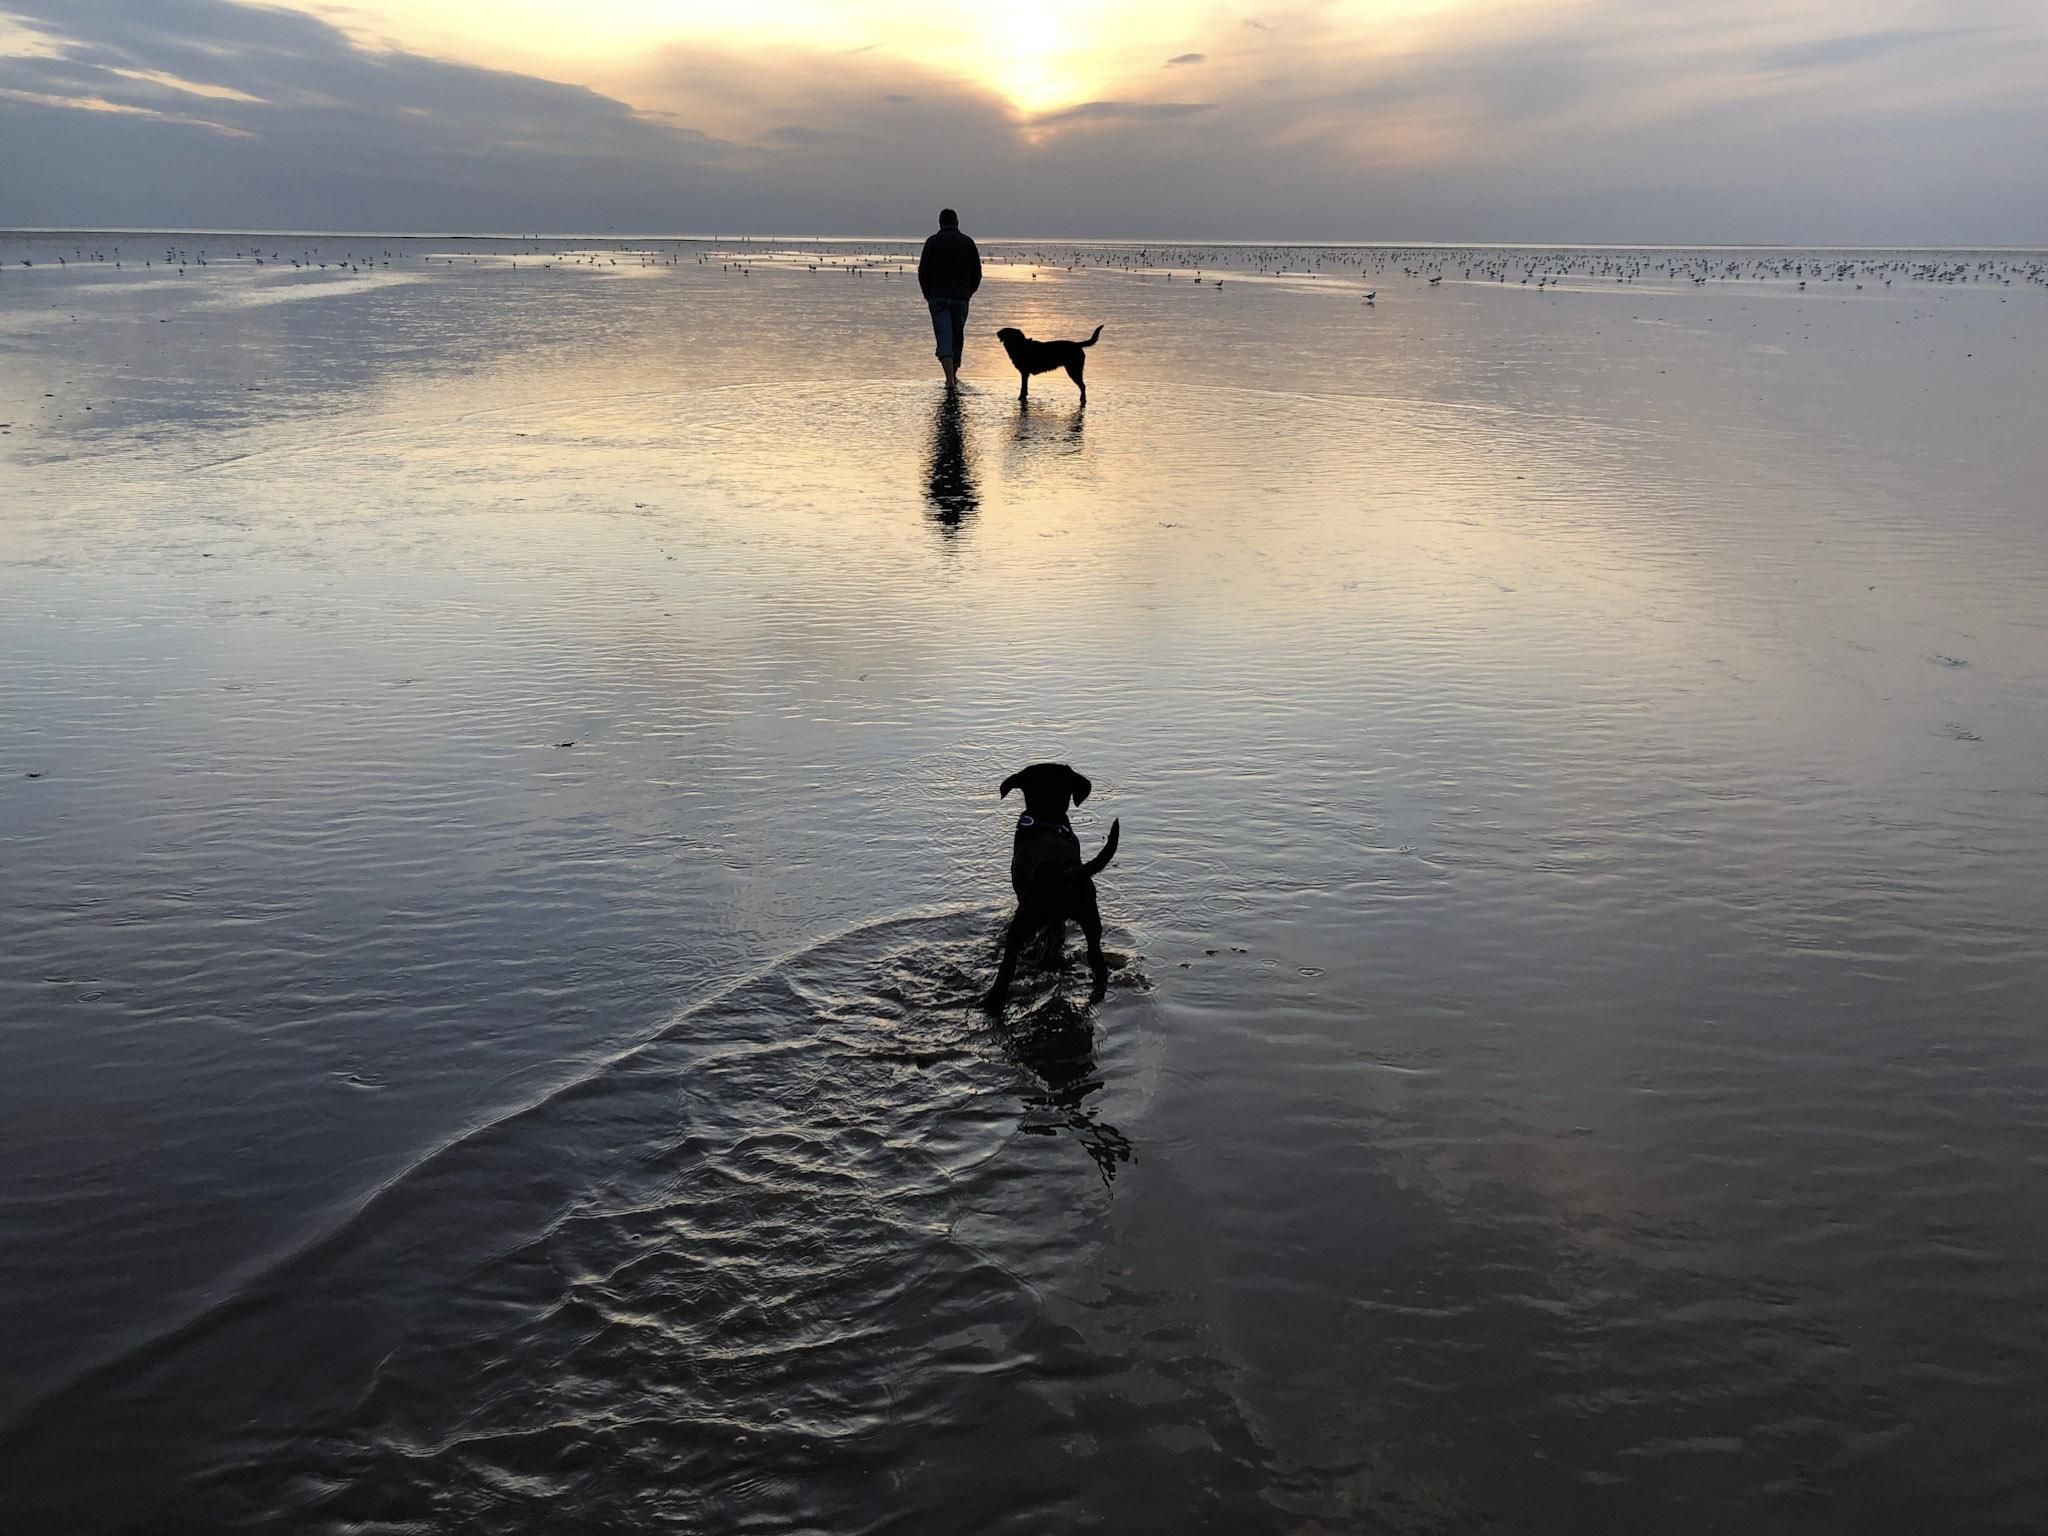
x,y
942,330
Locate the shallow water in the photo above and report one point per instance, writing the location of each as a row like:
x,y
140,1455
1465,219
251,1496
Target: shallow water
x,y
498,785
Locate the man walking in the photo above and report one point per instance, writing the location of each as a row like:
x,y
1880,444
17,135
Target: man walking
x,y
948,273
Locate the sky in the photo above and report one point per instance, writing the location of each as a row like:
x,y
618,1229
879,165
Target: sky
x,y
1874,122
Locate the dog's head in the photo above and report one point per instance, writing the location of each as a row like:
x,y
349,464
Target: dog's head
x,y
1047,789
1011,338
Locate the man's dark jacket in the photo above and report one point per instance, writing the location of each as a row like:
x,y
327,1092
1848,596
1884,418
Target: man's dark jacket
x,y
950,267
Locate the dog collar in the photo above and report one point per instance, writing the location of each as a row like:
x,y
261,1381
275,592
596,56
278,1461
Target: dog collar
x,y
1027,821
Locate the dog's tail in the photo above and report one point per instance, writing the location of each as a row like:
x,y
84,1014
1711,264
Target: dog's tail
x,y
1092,339
1100,862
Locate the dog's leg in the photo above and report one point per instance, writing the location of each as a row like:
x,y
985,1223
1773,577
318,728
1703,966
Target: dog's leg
x,y
1013,943
1023,385
1090,918
1074,372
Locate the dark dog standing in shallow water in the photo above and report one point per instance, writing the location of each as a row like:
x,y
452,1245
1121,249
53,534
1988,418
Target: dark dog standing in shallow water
x,y
1051,882
1043,356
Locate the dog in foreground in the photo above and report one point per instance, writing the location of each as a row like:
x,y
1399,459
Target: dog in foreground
x,y
1053,886
1043,356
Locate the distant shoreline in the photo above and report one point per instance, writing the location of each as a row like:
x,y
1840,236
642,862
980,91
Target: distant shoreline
x,y
1117,242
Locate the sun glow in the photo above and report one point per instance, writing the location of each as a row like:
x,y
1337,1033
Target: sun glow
x,y
1035,56
1033,52
1038,55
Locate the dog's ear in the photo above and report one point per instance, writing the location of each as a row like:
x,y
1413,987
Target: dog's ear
x,y
1079,784
1009,784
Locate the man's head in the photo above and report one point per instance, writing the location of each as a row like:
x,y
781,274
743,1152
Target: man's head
x,y
948,219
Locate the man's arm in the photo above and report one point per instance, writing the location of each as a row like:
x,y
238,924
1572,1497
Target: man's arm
x,y
974,261
924,271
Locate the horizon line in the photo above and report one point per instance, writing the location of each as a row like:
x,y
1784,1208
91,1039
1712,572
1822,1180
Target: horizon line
x,y
1093,240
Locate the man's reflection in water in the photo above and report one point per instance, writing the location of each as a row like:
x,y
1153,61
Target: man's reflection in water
x,y
1056,1045
950,486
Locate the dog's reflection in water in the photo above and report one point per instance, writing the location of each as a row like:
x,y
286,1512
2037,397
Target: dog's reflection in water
x,y
1055,1044
1055,430
949,487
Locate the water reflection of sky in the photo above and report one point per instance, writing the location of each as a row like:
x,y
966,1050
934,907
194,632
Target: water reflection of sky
x,y
1575,751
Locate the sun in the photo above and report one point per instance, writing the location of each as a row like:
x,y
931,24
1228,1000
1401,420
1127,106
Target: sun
x,y
1040,56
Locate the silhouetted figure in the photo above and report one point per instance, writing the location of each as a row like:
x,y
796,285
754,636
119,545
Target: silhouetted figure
x,y
948,272
1029,357
950,486
1054,887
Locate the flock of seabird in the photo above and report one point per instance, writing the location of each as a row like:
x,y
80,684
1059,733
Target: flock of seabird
x,y
1199,266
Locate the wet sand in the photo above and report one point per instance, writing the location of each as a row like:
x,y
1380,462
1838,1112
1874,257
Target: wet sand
x,y
499,796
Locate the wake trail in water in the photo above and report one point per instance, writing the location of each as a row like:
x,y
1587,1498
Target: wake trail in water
x,y
729,1228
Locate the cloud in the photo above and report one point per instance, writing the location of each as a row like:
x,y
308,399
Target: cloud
x,y
1119,112
204,112
797,133
1793,120
1836,52
73,103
